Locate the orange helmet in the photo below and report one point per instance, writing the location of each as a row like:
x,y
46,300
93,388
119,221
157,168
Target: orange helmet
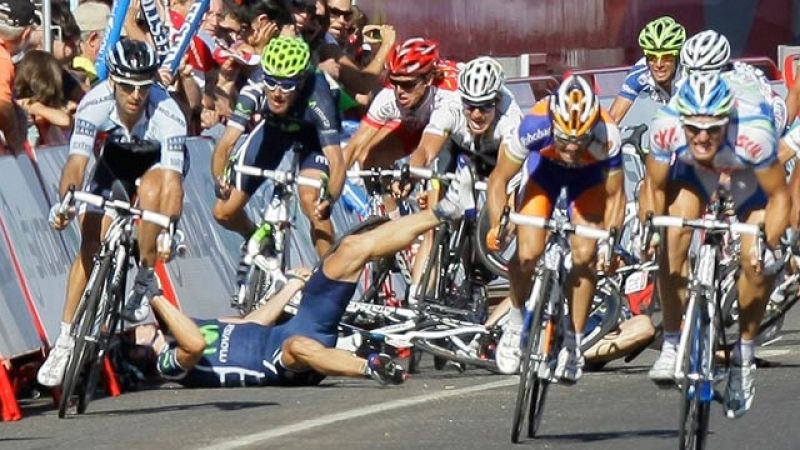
x,y
574,107
414,57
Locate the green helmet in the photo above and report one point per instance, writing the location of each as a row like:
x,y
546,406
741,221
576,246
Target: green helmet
x,y
662,35
285,57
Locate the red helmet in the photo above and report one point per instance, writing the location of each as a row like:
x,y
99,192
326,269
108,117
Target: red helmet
x,y
414,57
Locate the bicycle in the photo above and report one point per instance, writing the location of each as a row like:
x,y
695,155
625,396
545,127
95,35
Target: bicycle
x,y
265,252
703,328
545,315
98,313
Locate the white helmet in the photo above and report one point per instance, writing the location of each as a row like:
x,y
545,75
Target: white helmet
x,y
707,50
480,80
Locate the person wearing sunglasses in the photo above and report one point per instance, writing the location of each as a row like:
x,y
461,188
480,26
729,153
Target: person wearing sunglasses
x,y
693,141
141,131
656,73
297,112
566,142
418,85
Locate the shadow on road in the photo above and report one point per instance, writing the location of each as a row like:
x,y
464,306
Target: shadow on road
x,y
222,406
604,436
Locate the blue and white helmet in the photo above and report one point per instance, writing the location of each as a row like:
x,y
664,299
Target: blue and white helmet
x,y
707,50
704,94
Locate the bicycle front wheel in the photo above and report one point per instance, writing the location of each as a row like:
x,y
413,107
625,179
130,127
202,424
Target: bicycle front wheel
x,y
85,337
696,393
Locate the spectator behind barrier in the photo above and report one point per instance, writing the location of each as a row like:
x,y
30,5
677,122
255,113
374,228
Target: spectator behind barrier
x,y
66,42
38,90
17,20
91,18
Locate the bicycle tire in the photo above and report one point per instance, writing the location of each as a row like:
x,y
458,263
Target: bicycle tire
x,y
111,312
694,416
431,283
528,376
611,299
496,262
86,323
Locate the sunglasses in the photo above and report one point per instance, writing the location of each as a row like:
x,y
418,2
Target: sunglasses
x,y
567,139
336,12
285,85
663,56
694,127
129,86
482,107
406,86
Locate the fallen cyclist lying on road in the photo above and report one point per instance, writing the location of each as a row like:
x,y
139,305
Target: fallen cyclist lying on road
x,y
253,351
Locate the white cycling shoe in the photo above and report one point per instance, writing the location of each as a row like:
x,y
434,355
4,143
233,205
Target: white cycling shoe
x,y
508,352
741,390
51,373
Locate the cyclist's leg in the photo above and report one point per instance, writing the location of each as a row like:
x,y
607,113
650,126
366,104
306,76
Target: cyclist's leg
x,y
161,190
231,215
315,165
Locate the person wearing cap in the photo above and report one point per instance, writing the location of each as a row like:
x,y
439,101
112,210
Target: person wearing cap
x,y
17,18
91,18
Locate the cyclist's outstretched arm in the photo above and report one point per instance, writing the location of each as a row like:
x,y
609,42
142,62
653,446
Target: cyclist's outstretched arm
x,y
773,182
186,333
223,150
338,170
269,313
428,149
654,197
615,200
73,172
619,108
359,144
502,173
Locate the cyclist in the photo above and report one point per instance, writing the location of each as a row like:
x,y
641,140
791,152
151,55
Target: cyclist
x,y
420,84
142,132
255,351
569,142
704,134
480,125
657,73
298,112
711,51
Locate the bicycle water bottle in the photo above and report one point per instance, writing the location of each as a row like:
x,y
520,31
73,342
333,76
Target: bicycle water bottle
x,y
257,241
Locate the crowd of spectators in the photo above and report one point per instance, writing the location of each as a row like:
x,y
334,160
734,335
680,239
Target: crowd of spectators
x,y
39,90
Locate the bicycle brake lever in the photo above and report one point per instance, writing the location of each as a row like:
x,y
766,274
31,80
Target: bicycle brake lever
x,y
504,223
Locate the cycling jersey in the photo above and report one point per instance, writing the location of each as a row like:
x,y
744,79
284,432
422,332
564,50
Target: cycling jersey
x,y
750,141
640,81
313,112
162,124
535,135
386,112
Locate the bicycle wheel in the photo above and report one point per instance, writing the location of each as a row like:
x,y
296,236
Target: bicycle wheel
x,y
455,348
84,338
110,314
496,262
255,285
696,393
605,313
527,403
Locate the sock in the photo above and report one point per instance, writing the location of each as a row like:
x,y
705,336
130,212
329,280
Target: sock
x,y
515,316
671,341
570,339
578,340
65,330
744,352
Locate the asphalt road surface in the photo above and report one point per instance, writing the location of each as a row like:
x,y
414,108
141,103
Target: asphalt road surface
x,y
614,409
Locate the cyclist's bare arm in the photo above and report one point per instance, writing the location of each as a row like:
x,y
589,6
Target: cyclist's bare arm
x,y
186,333
73,172
269,313
223,150
337,170
502,173
359,144
785,152
615,200
428,149
773,182
619,108
654,196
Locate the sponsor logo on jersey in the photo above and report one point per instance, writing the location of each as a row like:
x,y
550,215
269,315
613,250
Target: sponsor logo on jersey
x,y
538,134
666,137
224,346
211,336
752,149
85,128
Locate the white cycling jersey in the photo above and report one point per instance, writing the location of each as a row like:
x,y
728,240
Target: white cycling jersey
x,y
452,121
162,123
385,111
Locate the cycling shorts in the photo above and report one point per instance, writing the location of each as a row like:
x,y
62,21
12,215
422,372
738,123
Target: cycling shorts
x,y
265,148
541,187
745,189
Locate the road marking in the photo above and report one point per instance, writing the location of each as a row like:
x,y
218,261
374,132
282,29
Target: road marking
x,y
305,425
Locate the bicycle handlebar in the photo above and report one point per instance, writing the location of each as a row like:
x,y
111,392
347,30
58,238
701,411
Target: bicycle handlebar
x,y
706,224
559,226
416,172
116,205
279,176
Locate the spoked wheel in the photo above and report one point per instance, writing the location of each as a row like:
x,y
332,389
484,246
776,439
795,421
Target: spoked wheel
x,y
696,393
532,391
496,262
605,313
255,285
84,344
